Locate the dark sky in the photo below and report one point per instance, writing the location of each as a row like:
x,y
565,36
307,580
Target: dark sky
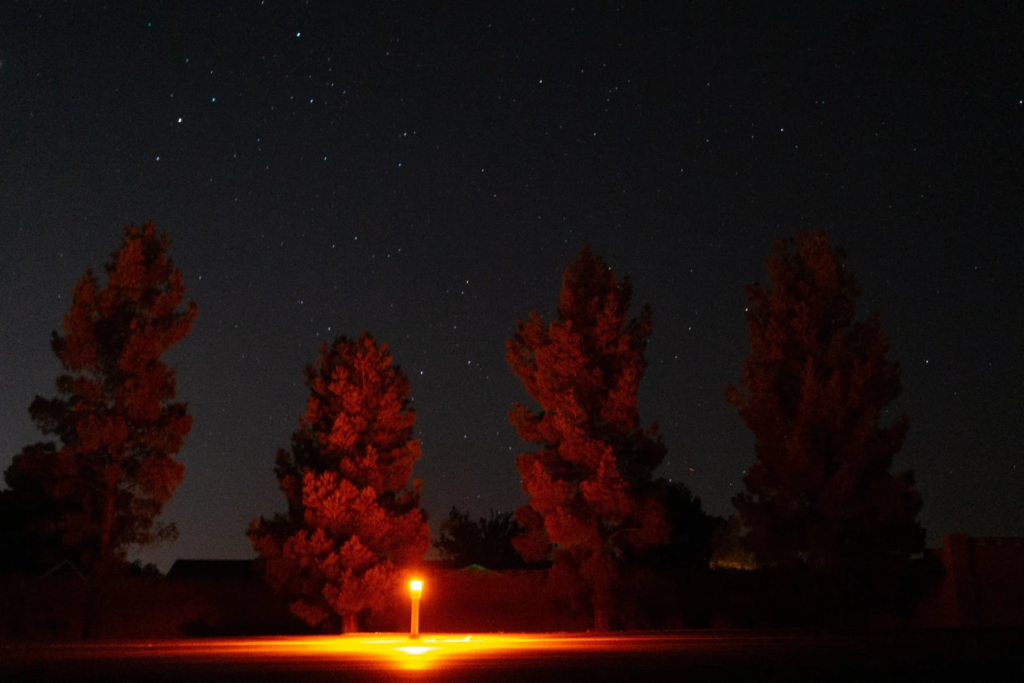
x,y
427,174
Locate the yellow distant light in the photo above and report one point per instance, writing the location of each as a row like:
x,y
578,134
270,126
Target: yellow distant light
x,y
416,588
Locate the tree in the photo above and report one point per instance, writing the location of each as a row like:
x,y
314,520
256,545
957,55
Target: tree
x,y
817,383
692,531
591,495
137,568
18,554
353,522
100,490
30,519
486,542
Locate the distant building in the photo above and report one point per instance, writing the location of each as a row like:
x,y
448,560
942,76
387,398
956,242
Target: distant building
x,y
67,568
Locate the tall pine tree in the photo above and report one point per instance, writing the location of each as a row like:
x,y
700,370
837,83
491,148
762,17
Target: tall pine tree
x,y
591,496
353,522
99,490
817,384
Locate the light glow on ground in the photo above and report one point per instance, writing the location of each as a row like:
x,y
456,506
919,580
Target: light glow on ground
x,y
373,650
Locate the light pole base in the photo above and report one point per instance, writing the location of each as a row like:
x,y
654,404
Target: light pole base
x,y
414,626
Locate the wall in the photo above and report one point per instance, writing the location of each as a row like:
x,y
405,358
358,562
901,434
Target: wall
x,y
139,607
983,583
983,586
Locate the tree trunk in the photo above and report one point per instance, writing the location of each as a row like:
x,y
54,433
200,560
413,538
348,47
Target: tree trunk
x,y
600,619
100,565
603,598
91,600
349,622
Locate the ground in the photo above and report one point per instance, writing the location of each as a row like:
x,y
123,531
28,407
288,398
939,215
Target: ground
x,y
691,656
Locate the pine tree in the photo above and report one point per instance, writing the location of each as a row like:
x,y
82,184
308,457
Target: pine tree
x,y
353,522
99,491
591,495
817,383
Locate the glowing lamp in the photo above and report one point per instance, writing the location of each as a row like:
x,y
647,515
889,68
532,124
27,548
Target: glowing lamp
x,y
415,591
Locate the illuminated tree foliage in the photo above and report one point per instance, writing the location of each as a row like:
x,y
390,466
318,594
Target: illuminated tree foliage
x,y
353,522
820,493
591,497
99,490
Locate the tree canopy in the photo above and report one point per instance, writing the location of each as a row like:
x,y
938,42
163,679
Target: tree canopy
x,y
591,495
353,521
98,489
815,390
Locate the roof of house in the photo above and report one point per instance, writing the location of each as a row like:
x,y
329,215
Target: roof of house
x,y
213,569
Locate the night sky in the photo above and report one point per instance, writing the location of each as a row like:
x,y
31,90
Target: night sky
x,y
427,175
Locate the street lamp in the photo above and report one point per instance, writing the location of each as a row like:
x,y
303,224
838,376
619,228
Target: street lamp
x,y
415,590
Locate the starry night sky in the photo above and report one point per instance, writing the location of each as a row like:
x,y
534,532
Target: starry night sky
x,y
427,174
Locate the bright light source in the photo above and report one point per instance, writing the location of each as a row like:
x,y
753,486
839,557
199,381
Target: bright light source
x,y
416,588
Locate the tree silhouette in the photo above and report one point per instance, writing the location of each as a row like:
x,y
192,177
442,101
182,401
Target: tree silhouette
x,y
817,384
591,496
31,518
353,522
692,531
20,553
99,491
486,542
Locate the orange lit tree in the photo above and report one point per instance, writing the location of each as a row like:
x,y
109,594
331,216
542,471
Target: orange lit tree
x,y
353,521
817,384
100,489
592,502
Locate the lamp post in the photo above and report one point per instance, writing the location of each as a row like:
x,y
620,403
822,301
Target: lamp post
x,y
415,590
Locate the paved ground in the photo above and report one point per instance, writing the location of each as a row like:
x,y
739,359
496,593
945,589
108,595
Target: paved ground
x,y
962,655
